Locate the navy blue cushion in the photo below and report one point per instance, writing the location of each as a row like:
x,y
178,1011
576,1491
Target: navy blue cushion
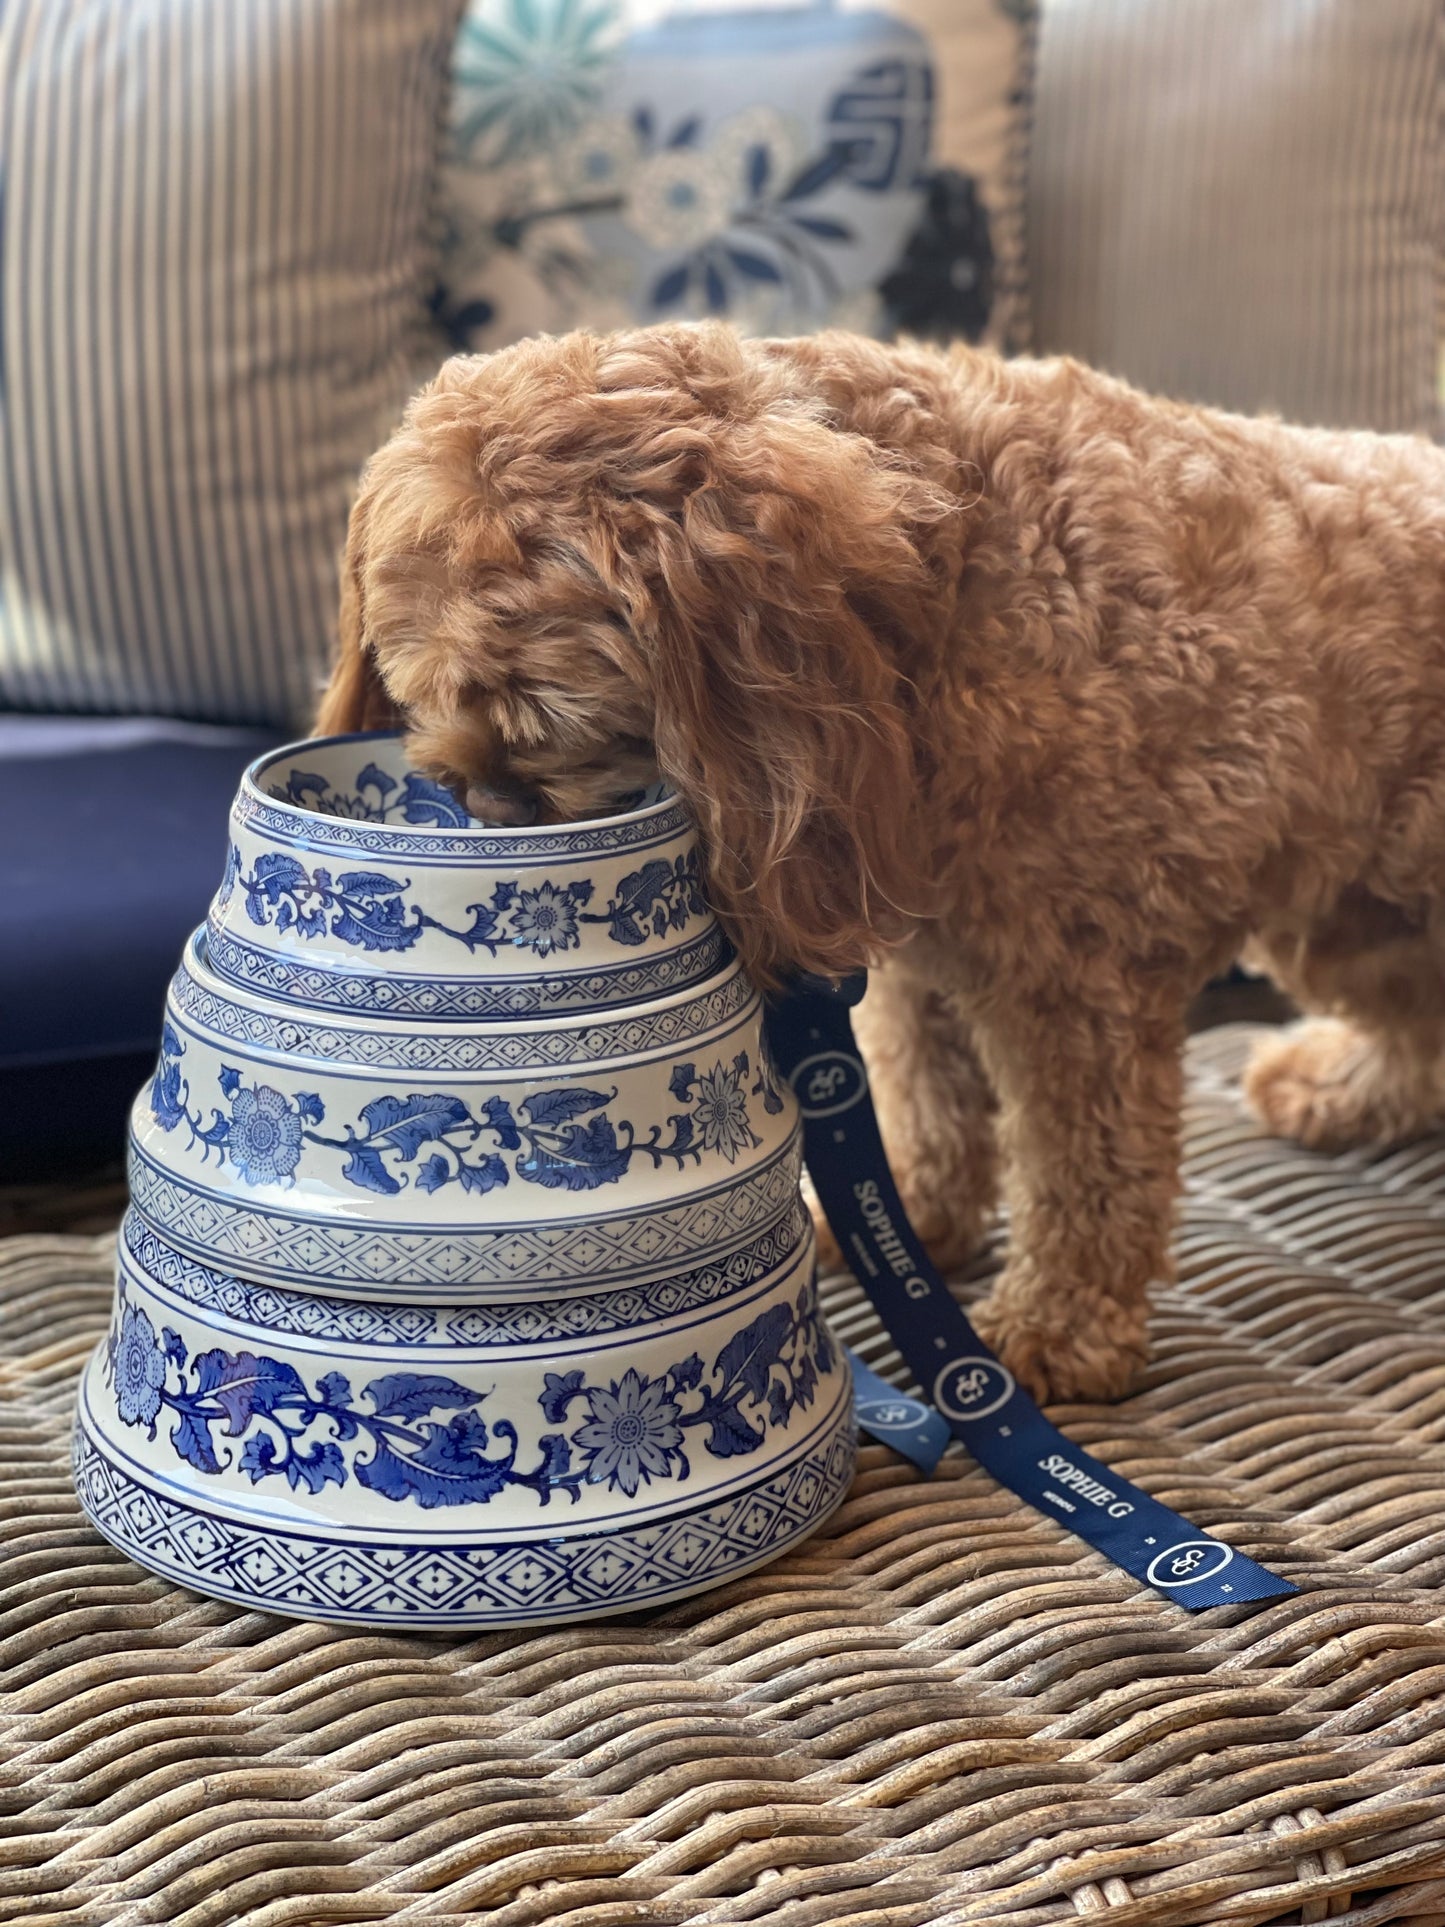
x,y
112,838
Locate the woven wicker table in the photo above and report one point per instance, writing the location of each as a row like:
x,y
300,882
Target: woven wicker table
x,y
943,1710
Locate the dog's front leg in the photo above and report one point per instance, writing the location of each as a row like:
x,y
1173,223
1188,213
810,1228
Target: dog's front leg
x,y
1090,1131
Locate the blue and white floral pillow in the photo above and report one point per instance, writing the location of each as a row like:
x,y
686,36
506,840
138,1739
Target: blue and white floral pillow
x,y
789,168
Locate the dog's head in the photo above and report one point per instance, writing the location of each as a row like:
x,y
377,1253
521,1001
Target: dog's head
x,y
583,561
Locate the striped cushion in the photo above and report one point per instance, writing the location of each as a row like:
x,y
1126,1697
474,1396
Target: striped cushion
x,y
213,264
1241,201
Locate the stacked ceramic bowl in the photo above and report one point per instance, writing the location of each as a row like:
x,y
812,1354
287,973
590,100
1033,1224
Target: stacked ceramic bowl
x,y
466,1279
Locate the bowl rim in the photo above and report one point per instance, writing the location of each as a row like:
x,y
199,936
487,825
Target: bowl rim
x,y
252,787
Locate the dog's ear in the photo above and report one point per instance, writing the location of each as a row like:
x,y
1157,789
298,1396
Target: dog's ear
x,y
355,698
794,613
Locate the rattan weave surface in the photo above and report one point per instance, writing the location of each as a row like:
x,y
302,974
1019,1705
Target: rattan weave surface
x,y
942,1710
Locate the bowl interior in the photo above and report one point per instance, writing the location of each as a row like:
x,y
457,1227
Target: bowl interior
x,y
368,779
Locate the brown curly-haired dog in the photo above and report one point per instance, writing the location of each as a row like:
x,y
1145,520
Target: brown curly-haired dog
x,y
1049,696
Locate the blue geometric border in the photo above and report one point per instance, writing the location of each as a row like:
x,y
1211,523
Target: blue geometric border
x,y
349,1321
445,1000
441,1586
530,1047
366,1259
307,829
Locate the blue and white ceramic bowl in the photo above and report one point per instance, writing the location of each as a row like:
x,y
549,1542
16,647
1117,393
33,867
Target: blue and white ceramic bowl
x,y
457,1288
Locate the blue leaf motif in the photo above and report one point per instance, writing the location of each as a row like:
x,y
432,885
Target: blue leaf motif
x,y
684,1076
175,1347
434,1173
372,778
412,1394
637,894
749,1356
411,1121
171,1045
365,1169
379,924
729,1433
483,1177
191,1437
229,1081
759,167
167,1101
497,1116
556,1461
367,883
555,1107
687,1375
259,1457
309,1106
685,133
276,873
666,289
757,267
334,1389
817,173
319,1465
243,1384
423,802
449,1470
586,1157
304,786
824,229
558,1392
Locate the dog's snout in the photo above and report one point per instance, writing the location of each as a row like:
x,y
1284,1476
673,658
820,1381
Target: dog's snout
x,y
505,804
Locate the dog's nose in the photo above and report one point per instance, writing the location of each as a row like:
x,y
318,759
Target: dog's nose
x,y
505,804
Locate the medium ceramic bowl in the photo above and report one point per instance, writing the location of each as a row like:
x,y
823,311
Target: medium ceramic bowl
x,y
467,1279
568,1153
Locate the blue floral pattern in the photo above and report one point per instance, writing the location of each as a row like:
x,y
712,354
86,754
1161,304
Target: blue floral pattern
x,y
421,1436
567,1137
377,798
776,166
370,909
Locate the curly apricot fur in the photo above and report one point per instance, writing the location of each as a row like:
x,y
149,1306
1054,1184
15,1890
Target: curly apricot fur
x,y
1041,695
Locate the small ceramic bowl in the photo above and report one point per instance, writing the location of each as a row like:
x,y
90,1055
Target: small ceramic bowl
x,y
354,884
496,1311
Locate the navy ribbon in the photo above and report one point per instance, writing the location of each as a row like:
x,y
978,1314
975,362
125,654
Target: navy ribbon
x,y
811,1035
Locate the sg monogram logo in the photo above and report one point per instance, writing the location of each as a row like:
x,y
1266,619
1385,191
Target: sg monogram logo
x,y
823,1084
1187,1563
970,1388
890,1415
829,1082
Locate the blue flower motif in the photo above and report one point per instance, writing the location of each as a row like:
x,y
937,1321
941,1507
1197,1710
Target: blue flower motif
x,y
265,1135
545,919
139,1368
721,1110
633,1432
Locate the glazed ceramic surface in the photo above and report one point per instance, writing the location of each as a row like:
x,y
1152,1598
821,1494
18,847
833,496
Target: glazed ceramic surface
x,y
467,1279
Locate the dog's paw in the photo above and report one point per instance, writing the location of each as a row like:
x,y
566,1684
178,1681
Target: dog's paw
x,y
1329,1086
1064,1365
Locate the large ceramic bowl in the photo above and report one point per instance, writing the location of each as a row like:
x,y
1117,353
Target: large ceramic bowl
x,y
462,1465
467,1279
